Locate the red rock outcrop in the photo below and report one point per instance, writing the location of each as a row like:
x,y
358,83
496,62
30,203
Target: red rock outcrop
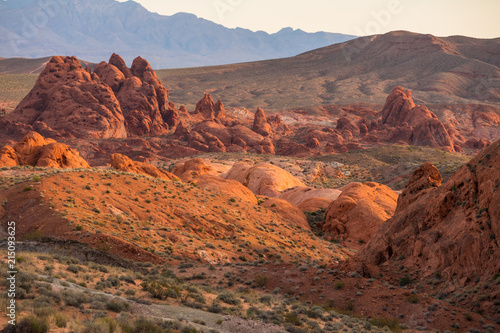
x,y
191,170
357,214
291,213
113,102
208,109
227,187
123,163
397,106
414,124
35,150
452,229
260,124
213,136
299,195
263,179
346,124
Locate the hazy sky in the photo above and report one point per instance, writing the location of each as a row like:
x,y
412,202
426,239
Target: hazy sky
x,y
478,18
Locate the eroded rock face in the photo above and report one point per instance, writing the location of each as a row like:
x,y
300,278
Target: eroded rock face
x,y
414,124
208,109
291,213
260,124
397,106
123,163
192,169
113,102
304,196
452,228
213,136
359,211
226,186
263,179
35,150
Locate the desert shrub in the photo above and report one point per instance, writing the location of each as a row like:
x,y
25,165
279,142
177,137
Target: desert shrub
x,y
339,284
60,320
228,298
266,299
404,281
73,268
127,278
260,280
292,318
382,322
113,281
413,299
161,289
143,325
32,324
73,298
117,305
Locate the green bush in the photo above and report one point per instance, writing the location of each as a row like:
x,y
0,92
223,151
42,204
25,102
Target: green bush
x,y
116,305
60,320
260,280
32,324
382,322
292,318
339,285
228,298
413,299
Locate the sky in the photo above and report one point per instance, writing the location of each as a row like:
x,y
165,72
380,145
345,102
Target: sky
x,y
478,18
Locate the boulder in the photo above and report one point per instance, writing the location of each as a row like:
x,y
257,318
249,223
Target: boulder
x,y
191,170
35,150
263,179
359,211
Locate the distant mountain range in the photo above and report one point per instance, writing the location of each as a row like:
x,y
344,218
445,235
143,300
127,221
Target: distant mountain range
x,y
94,29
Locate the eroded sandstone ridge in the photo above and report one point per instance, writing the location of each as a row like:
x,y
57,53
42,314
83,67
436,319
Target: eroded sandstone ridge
x,y
451,228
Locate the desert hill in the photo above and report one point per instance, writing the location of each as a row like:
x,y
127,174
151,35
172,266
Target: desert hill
x,y
92,30
437,69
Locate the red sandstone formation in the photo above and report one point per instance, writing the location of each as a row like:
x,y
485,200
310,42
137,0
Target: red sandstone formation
x,y
414,124
208,109
452,229
123,163
35,150
357,214
113,102
260,124
263,179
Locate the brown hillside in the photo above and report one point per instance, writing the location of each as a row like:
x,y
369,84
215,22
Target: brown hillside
x,y
151,219
437,69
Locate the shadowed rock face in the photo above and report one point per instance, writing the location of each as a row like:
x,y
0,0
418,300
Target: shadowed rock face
x,y
35,150
451,228
113,102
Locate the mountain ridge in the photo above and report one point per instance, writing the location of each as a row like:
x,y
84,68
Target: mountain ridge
x,y
80,27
